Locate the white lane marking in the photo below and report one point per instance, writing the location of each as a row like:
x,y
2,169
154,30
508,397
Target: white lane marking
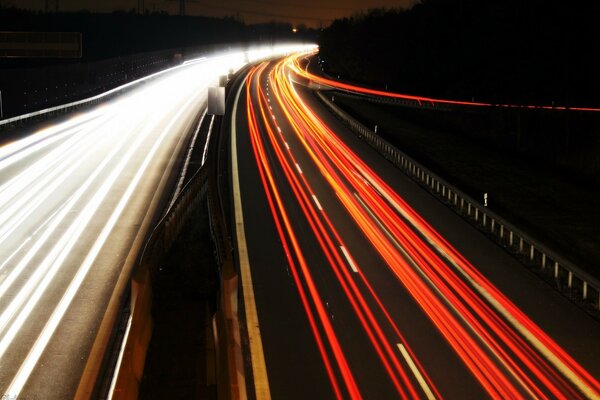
x,y
349,259
416,372
287,146
279,129
317,202
298,168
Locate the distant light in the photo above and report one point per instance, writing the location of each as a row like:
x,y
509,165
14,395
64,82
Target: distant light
x,y
294,30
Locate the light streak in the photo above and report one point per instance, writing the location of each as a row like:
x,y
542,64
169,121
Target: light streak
x,y
504,350
297,68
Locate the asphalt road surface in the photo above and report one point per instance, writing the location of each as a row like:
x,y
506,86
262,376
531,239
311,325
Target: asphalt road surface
x,y
366,286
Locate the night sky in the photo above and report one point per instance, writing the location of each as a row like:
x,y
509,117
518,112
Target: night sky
x,y
312,13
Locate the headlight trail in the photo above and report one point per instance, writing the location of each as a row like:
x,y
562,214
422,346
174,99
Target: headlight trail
x,y
505,351
74,197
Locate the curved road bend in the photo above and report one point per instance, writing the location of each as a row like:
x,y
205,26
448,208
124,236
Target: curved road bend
x,y
367,286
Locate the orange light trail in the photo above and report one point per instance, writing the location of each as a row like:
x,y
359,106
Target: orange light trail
x,y
297,68
282,221
506,352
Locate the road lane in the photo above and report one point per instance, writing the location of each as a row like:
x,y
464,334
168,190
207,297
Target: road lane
x,y
401,288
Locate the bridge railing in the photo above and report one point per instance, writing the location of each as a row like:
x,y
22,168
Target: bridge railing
x,y
561,273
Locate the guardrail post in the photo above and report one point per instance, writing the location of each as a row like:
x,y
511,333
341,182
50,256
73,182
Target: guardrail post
x,y
510,238
555,269
521,244
476,214
585,290
484,219
531,252
543,260
570,279
501,231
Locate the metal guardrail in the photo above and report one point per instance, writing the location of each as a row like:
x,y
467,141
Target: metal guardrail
x,y
562,274
64,108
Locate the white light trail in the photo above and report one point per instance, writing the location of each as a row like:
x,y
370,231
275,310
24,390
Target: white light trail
x,y
66,189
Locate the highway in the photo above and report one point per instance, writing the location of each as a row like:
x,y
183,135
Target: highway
x,y
77,199
366,286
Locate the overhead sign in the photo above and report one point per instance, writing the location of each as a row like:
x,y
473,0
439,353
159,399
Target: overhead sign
x,y
40,45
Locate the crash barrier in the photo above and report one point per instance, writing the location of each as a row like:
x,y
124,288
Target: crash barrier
x,y
161,240
81,80
230,362
562,274
43,94
225,321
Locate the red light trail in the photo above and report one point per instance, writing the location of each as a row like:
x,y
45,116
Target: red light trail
x,y
297,68
506,352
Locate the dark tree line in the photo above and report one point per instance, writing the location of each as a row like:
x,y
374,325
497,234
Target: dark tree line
x,y
117,48
124,33
500,51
